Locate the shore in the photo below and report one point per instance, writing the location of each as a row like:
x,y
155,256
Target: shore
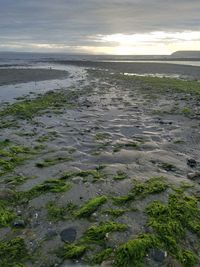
x,y
102,173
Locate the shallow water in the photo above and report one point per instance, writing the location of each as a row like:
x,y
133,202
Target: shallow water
x,y
8,93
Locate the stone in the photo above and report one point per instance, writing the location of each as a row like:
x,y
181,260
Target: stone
x,y
77,180
192,163
193,175
68,235
19,224
158,255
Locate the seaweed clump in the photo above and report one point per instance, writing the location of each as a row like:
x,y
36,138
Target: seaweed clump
x,y
91,206
154,185
13,253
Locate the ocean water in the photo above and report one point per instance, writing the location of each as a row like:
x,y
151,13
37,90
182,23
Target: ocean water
x,y
12,58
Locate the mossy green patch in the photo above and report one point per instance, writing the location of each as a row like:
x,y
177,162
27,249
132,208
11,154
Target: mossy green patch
x,y
6,215
166,84
120,176
98,233
186,111
28,108
96,175
118,212
12,155
171,222
57,213
52,161
91,206
102,256
71,251
53,186
154,185
13,253
17,180
133,252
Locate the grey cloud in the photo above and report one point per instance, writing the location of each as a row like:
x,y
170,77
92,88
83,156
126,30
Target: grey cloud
x,y
70,22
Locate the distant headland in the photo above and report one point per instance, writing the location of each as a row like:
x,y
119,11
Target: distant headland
x,y
186,54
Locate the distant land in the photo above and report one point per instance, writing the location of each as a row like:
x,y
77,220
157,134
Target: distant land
x,y
17,57
186,54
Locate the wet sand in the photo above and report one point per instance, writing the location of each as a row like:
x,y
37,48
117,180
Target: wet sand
x,y
14,76
184,71
109,132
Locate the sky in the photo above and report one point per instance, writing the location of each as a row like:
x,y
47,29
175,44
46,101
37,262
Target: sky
x,y
100,26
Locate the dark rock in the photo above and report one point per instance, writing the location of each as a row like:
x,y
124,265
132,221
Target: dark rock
x,y
158,255
68,235
19,224
192,163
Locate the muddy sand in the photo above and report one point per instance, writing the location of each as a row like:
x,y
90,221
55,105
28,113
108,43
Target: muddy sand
x,y
14,75
185,71
104,173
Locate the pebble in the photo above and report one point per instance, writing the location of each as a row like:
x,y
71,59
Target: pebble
x,y
68,235
77,180
158,255
193,175
19,224
192,163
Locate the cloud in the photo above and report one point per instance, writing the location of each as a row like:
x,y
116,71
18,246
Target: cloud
x,y
76,25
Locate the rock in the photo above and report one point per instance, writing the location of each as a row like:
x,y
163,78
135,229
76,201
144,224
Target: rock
x,y
192,163
68,235
19,224
158,255
77,180
193,175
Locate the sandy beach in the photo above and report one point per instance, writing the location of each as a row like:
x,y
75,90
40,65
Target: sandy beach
x,y
90,169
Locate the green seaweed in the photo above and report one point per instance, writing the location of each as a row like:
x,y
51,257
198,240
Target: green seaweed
x,y
57,213
29,108
90,207
134,251
154,185
50,162
115,213
12,155
102,256
120,176
98,233
13,253
95,174
53,186
6,215
171,222
71,251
